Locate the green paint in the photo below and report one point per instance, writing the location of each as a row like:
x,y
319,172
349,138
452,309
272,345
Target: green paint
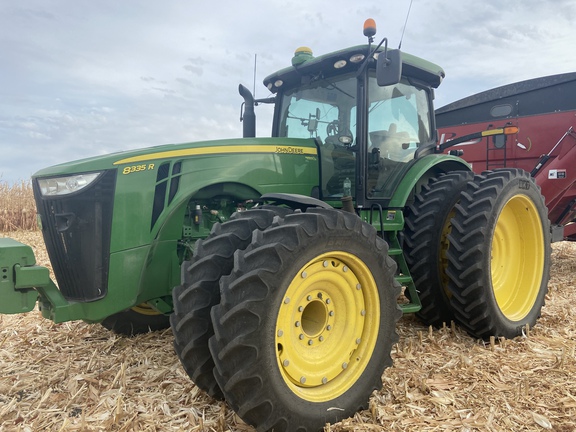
x,y
165,198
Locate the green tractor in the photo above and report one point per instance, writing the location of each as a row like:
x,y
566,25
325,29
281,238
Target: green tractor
x,y
282,264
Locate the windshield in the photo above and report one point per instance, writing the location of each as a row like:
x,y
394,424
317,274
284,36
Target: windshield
x,y
398,123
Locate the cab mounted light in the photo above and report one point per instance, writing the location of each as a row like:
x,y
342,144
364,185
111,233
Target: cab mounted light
x,y
357,58
369,28
340,64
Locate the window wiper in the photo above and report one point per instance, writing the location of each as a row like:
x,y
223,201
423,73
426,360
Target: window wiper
x,y
338,88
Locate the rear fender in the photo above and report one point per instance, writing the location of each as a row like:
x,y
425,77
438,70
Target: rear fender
x,y
424,169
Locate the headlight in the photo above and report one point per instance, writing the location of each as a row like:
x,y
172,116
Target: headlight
x,y
56,186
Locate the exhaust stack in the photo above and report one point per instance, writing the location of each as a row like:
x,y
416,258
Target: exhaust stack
x,y
249,117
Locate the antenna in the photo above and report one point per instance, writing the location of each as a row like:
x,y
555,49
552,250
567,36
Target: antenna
x,y
254,83
405,22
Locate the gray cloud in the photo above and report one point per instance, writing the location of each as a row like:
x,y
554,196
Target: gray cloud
x,y
86,78
196,70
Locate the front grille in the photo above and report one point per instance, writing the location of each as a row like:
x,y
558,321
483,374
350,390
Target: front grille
x,y
76,230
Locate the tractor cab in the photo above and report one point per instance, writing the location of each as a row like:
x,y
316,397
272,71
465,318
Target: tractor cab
x,y
370,111
399,122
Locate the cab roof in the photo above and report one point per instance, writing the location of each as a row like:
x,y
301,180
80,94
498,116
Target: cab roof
x,y
306,66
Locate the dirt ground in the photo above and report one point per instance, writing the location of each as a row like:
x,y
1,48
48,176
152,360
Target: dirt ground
x,y
80,377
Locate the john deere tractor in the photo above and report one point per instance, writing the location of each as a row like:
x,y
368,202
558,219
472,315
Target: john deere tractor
x,y
279,262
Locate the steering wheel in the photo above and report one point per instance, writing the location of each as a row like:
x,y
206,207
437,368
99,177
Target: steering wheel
x,y
332,128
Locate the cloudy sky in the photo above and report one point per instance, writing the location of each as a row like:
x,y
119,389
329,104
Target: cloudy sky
x,y
80,78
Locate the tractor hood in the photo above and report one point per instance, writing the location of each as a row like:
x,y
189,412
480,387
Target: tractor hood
x,y
170,151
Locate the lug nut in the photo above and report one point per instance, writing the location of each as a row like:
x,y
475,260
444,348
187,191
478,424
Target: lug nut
x,y
280,333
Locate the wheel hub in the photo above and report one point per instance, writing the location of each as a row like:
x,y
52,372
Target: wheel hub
x,y
316,317
322,321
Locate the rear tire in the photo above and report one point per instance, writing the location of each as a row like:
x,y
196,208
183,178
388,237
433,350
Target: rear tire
x,y
306,322
428,223
499,255
200,291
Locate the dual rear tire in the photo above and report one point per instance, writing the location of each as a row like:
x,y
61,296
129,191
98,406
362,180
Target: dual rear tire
x,y
478,248
499,254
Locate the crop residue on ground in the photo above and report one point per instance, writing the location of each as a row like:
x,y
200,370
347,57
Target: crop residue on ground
x,y
80,377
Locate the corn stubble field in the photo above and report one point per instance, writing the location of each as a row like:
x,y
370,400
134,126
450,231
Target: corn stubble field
x,y
80,377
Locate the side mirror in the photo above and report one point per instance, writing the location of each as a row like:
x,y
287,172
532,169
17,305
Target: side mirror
x,y
389,67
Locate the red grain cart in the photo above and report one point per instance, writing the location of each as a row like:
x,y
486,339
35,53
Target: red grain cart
x,y
544,110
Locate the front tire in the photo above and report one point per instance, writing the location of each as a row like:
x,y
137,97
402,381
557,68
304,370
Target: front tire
x,y
306,322
199,292
499,255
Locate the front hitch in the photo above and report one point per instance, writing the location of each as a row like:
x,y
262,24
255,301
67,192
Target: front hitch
x,y
19,276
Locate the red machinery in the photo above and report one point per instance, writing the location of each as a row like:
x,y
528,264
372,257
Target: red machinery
x,y
544,110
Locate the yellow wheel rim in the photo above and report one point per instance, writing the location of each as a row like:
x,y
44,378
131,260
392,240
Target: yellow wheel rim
x,y
517,260
327,326
145,309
